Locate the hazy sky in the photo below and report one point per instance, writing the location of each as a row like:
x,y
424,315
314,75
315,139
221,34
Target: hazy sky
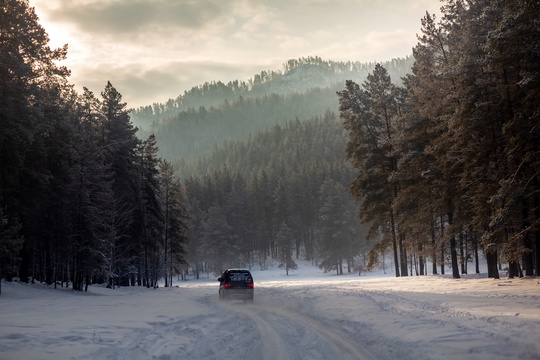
x,y
153,50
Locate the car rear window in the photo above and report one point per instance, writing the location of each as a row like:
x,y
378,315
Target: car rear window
x,y
240,277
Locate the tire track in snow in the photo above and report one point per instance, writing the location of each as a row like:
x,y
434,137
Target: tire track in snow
x,y
287,334
345,348
271,344
412,314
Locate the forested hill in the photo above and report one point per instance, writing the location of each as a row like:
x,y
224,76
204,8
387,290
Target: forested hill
x,y
295,146
284,188
210,114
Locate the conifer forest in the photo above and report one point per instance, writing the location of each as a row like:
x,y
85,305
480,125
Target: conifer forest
x,y
427,161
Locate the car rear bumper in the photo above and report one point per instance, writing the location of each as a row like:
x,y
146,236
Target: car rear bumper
x,y
238,293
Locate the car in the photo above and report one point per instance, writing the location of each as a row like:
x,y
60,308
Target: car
x,y
236,284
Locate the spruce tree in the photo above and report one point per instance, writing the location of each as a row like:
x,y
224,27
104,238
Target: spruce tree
x,y
174,222
31,114
91,202
219,243
117,137
149,211
285,243
338,233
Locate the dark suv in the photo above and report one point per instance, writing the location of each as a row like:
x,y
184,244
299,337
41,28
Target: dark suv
x,y
236,284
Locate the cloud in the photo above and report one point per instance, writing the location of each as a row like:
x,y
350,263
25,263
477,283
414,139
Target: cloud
x,y
152,50
396,43
128,16
293,42
387,39
258,21
140,84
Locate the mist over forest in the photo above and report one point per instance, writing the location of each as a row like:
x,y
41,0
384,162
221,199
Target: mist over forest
x,y
214,112
431,160
275,135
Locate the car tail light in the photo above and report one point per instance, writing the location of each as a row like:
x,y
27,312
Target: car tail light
x,y
251,285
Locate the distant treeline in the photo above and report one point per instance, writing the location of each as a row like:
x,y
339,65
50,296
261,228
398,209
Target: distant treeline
x,y
298,76
190,125
279,195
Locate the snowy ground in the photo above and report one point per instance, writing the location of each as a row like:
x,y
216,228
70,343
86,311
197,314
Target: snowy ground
x,y
307,315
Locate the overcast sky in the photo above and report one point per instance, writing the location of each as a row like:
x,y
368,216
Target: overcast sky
x,y
153,50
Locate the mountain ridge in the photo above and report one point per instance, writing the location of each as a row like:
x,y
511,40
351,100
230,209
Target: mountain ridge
x,y
213,113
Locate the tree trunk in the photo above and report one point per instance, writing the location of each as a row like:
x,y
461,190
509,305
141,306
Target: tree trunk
x,y
537,245
462,253
536,201
442,247
527,257
166,246
403,255
434,251
453,249
394,243
476,260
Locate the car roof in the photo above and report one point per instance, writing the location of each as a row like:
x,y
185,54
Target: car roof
x,y
237,270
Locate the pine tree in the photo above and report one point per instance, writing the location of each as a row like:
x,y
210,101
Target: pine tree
x,y
219,243
240,217
31,114
338,232
117,137
372,118
285,243
91,206
431,100
192,195
513,62
419,201
149,211
174,222
27,68
10,244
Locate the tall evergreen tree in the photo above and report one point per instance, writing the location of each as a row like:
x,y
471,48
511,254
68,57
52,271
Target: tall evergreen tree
x,y
91,206
27,68
10,243
31,114
471,94
117,136
338,232
285,242
174,222
372,118
429,98
512,60
219,243
149,211
192,196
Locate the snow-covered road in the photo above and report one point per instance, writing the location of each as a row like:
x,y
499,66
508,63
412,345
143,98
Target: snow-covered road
x,y
273,327
320,316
